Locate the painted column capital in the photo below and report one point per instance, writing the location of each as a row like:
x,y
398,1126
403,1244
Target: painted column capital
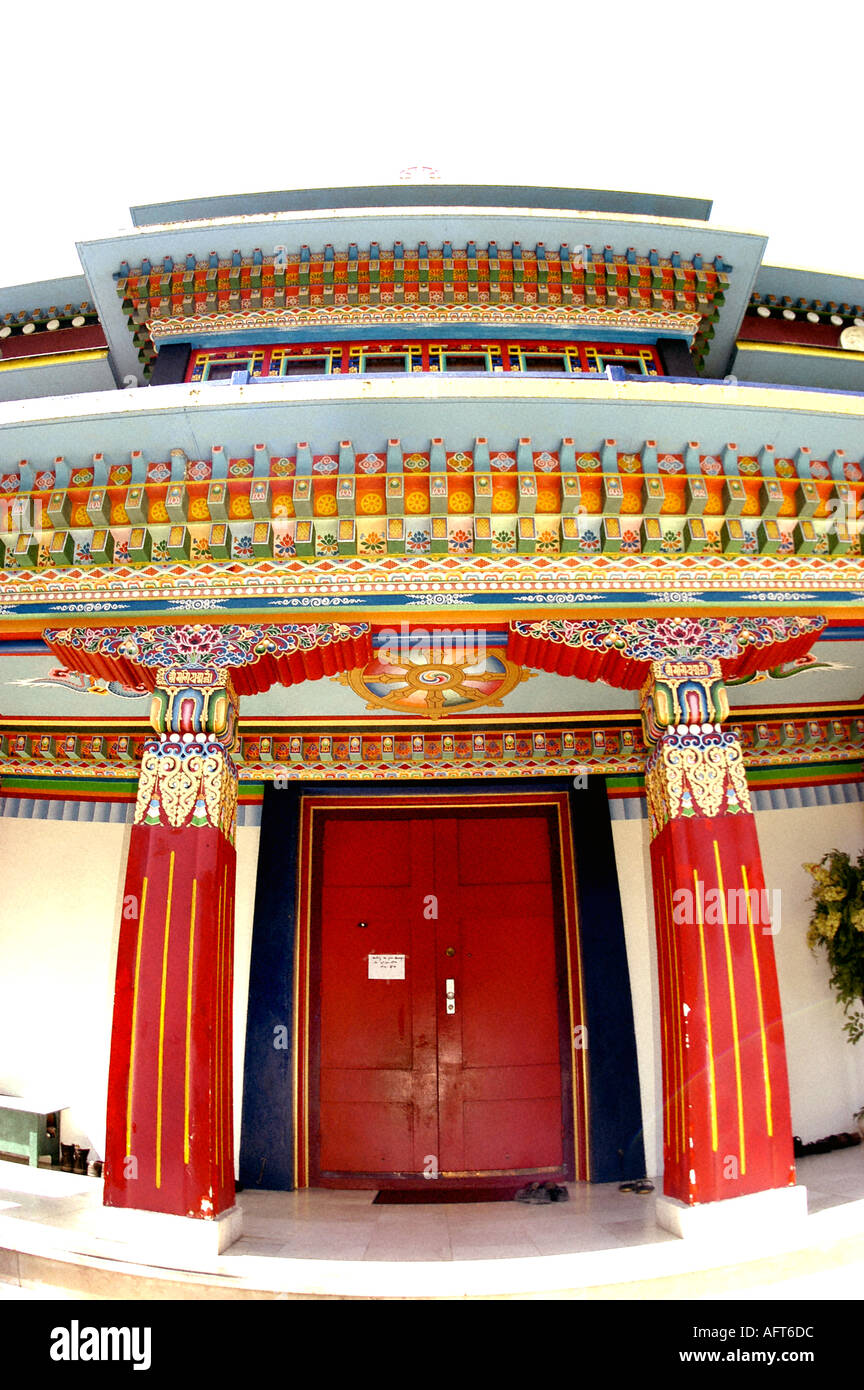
x,y
694,768
187,776
683,693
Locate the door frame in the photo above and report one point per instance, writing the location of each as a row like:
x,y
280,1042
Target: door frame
x,y
314,811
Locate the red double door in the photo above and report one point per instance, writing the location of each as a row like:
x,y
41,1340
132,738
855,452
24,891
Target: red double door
x,y
441,1034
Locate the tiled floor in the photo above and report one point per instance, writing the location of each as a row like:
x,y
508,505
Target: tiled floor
x,y
321,1241
317,1224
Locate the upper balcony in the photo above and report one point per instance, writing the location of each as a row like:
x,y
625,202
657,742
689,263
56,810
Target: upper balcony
x,y
592,279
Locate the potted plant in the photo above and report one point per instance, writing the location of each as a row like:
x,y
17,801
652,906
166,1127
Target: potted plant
x,y
837,925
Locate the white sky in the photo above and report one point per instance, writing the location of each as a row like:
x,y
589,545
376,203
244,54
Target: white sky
x,y
754,104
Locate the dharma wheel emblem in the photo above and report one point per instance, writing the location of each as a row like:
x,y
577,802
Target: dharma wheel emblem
x,y
435,685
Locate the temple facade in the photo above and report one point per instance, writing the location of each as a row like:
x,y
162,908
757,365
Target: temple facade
x,y
429,655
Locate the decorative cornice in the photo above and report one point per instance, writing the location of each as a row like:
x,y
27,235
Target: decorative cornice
x,y
410,750
419,282
576,501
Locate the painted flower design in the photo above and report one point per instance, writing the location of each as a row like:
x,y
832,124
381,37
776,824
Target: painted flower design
x,y
460,540
373,543
243,547
419,541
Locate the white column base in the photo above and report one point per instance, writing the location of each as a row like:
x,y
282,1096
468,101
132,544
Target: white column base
x,y
758,1214
156,1237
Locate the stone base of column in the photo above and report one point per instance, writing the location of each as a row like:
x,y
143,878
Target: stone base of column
x,y
154,1237
758,1214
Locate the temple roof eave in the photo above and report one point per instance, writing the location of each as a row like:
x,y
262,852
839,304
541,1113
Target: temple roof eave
x,y
102,258
369,412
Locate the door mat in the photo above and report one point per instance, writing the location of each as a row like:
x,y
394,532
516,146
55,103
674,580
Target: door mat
x,y
430,1194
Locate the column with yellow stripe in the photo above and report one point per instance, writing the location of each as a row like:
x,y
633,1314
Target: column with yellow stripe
x,y
169,1144
726,1125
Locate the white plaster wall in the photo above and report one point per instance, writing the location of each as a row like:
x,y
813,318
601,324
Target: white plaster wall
x,y
826,1073
61,885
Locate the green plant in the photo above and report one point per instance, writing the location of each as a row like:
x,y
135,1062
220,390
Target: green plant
x,y
837,924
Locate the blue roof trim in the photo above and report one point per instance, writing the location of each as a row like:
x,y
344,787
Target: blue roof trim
x,y
422,195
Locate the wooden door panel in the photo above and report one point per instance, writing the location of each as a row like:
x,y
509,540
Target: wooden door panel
x,y
367,1137
364,1023
509,997
508,1135
502,849
499,1079
378,1065
374,852
533,1083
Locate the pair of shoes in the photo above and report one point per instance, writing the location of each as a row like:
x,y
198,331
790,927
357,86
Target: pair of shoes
x,y
640,1186
534,1192
543,1192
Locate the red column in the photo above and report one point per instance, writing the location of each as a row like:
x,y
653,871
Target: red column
x,y
726,1119
170,1131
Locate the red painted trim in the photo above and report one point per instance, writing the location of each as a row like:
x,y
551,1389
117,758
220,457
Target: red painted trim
x,y
45,344
755,329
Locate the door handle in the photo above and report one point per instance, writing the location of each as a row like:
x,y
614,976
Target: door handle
x,y
450,996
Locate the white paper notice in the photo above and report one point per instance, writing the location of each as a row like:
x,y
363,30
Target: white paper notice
x,y
386,967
